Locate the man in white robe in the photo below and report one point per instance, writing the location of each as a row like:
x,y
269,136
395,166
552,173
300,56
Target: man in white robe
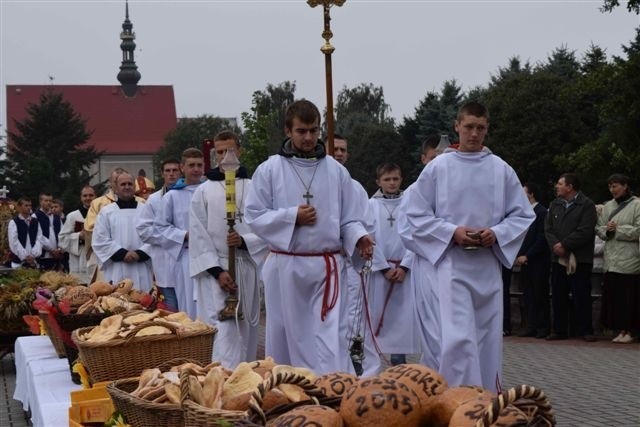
x,y
118,248
466,216
237,337
173,226
303,203
148,232
392,296
72,236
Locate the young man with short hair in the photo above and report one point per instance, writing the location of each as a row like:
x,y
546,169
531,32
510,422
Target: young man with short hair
x,y
173,226
24,236
149,234
304,205
72,235
237,338
466,216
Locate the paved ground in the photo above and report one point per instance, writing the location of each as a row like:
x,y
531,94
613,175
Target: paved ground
x,y
589,384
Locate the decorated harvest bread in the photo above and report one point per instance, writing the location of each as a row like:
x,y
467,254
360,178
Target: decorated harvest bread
x,y
124,286
101,288
309,416
78,295
472,410
335,383
380,401
439,409
423,380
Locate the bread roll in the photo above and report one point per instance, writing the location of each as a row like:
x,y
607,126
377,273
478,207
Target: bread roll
x,y
101,288
381,402
309,416
335,383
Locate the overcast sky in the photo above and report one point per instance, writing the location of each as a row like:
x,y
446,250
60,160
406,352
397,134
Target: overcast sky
x,y
217,53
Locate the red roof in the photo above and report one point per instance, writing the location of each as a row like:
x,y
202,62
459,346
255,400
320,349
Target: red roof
x,y
121,125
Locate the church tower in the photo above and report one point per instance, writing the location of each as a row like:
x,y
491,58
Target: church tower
x,y
129,76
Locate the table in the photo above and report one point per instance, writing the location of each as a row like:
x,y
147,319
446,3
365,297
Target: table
x,y
43,382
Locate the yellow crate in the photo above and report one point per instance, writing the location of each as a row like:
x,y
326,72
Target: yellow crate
x,y
92,405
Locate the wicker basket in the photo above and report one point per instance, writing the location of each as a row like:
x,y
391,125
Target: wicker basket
x,y
127,357
196,415
533,402
53,332
141,412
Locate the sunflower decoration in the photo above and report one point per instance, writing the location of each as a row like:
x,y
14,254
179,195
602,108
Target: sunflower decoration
x,y
17,292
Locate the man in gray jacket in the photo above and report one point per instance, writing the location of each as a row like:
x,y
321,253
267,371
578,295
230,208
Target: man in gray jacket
x,y
570,232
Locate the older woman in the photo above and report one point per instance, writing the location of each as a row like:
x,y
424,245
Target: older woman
x,y
619,226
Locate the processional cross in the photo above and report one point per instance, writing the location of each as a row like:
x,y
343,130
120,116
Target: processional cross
x,y
328,49
3,192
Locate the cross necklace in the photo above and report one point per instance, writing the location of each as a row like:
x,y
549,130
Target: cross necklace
x,y
307,195
239,209
391,219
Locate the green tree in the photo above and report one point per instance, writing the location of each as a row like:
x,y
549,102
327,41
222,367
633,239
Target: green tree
x,y
269,108
256,137
50,151
632,5
362,104
537,117
371,145
612,88
363,118
435,113
191,132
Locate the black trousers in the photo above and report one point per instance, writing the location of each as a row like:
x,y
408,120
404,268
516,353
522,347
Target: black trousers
x,y
534,281
579,285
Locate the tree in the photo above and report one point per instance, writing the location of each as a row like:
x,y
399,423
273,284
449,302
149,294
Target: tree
x,y
362,104
269,107
371,145
50,151
613,89
191,132
434,114
632,6
256,138
363,118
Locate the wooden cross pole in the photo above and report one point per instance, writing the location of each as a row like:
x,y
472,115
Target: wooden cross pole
x,y
328,49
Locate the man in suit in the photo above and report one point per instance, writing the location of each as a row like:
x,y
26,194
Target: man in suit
x,y
534,260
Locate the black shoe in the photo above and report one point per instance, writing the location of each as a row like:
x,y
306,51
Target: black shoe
x,y
555,337
529,333
541,335
589,338
506,333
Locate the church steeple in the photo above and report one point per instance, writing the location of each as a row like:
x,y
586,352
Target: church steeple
x,y
129,76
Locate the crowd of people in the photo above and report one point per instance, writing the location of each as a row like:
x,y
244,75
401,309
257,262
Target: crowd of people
x,y
349,279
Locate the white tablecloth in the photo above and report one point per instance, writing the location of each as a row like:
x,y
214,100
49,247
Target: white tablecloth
x,y
43,382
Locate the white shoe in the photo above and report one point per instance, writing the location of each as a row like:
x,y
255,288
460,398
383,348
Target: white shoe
x,y
626,339
618,338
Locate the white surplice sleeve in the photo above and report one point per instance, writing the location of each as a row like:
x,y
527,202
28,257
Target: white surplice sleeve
x,y
69,239
518,216
172,237
421,230
202,251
